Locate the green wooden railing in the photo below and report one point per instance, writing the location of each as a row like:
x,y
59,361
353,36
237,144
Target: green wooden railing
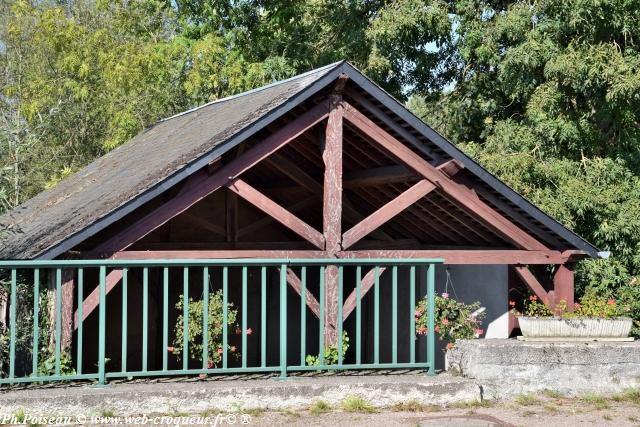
x,y
101,340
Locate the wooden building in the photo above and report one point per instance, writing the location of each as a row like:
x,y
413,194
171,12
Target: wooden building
x,y
322,165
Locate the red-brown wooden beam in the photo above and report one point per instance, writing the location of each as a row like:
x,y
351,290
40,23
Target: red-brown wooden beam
x,y
263,222
471,256
277,212
295,282
451,256
563,285
458,193
530,280
223,175
386,212
91,302
365,284
218,254
332,206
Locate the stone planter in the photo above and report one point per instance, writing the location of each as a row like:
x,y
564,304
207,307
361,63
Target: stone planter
x,y
579,328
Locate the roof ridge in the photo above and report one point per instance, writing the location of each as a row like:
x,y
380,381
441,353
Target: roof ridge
x,y
258,89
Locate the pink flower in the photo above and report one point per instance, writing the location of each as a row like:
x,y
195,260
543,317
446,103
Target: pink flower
x,y
445,321
512,303
170,349
202,376
418,313
211,365
576,306
238,331
220,350
611,302
422,330
533,298
479,331
249,331
232,348
450,346
445,295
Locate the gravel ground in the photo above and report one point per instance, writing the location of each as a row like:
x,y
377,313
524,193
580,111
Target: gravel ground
x,y
525,410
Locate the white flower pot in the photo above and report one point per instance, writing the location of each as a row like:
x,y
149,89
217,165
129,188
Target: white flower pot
x,y
590,327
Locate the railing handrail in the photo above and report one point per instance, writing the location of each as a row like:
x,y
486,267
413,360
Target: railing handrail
x,y
216,262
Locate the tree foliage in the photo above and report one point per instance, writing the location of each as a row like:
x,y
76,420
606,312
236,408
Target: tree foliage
x,y
545,94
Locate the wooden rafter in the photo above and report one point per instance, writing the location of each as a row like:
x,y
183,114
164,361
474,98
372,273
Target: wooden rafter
x,y
223,175
91,302
277,212
263,222
458,193
366,283
295,283
386,212
530,280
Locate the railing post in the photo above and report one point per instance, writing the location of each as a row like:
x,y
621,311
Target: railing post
x,y
102,315
13,326
283,321
431,334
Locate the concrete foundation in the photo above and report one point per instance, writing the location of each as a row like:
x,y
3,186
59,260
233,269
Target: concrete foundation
x,y
568,367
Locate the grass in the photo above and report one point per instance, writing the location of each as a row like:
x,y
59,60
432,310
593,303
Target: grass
x,y
595,400
526,400
551,408
466,404
633,419
607,417
357,404
254,412
319,407
528,413
631,395
107,413
20,415
290,413
414,406
552,394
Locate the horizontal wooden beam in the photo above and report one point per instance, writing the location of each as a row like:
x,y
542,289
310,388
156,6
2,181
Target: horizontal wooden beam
x,y
458,193
218,254
386,212
277,212
451,256
471,256
222,176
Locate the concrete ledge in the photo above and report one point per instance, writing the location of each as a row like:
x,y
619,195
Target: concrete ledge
x,y
195,397
568,367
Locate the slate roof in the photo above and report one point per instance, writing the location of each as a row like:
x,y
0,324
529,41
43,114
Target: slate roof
x,y
114,185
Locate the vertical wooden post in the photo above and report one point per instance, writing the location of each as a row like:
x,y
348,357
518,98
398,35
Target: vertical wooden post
x,y
231,202
563,285
332,207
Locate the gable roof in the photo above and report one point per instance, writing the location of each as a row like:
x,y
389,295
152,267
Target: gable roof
x,y
116,184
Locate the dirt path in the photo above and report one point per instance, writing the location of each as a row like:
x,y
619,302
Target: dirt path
x,y
526,410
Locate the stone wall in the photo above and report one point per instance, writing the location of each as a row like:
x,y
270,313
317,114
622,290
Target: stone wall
x,y
571,368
